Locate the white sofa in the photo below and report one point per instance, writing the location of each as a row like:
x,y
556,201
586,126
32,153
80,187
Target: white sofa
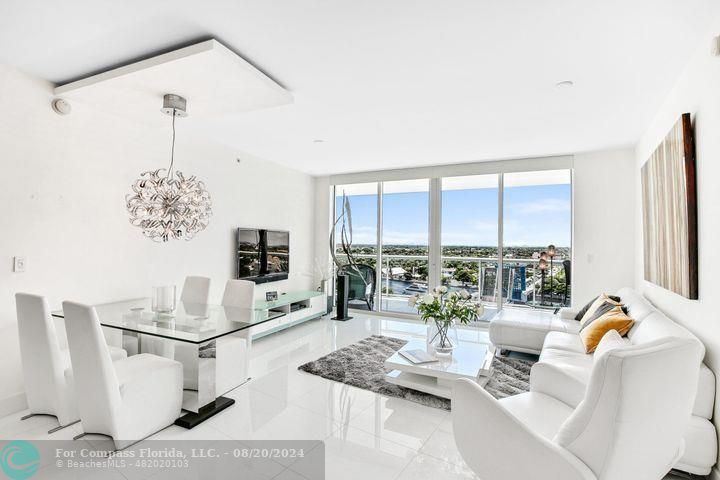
x,y
629,425
563,370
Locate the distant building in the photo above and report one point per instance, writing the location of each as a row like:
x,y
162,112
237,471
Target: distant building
x,y
395,271
448,272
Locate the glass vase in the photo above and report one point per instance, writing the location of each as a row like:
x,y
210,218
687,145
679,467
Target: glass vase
x,y
442,337
163,299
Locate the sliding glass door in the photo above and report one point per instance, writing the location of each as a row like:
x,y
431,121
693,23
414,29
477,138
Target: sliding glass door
x,y
469,236
362,199
537,233
405,243
504,237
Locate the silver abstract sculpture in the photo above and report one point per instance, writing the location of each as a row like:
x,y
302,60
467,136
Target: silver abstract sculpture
x,y
166,204
345,221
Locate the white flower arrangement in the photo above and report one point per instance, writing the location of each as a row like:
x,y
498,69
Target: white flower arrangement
x,y
447,307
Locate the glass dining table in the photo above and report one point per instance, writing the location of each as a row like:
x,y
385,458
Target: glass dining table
x,y
211,341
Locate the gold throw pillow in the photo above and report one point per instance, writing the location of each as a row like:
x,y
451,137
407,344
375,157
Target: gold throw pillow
x,y
615,319
599,301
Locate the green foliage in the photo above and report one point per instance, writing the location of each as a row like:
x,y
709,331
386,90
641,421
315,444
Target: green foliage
x,y
445,308
555,284
466,273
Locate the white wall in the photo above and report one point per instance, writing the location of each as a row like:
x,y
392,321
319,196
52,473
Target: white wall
x,y
696,92
604,223
64,181
323,219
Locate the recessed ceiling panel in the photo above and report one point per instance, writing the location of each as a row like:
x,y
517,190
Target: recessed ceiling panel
x,y
214,79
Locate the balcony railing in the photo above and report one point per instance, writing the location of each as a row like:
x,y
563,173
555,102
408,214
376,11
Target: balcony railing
x,y
522,282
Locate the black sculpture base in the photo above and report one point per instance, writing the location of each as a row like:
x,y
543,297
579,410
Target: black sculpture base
x,y
190,420
341,319
342,290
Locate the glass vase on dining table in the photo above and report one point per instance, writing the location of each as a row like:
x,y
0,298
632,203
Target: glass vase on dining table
x,y
164,299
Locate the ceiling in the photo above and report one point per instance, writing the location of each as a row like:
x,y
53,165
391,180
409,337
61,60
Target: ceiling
x,y
391,84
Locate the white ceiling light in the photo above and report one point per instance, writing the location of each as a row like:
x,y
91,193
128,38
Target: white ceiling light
x,y
167,204
565,84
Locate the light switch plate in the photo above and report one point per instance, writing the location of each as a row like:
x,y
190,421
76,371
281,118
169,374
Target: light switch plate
x,y
18,264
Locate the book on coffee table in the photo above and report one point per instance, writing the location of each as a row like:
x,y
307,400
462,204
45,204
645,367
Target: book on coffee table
x,y
417,356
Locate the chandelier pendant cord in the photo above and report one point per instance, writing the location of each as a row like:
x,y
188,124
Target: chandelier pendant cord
x,y
164,207
172,148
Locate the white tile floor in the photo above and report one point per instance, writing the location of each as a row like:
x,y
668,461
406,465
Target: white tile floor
x,y
367,436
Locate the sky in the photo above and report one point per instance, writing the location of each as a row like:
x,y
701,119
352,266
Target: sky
x,y
534,216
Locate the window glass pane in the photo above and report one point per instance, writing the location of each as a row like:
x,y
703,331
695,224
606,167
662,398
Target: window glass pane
x,y
537,211
469,236
362,199
405,243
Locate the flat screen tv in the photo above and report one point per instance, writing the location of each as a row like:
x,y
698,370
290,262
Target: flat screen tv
x,y
262,255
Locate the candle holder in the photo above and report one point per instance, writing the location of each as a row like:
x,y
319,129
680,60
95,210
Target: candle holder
x,y
164,299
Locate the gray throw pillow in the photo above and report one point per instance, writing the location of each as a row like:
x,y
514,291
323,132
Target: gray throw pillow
x,y
601,310
584,310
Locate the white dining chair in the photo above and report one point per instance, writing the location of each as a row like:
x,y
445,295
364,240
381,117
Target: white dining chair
x,y
195,290
233,351
127,400
195,294
46,367
239,293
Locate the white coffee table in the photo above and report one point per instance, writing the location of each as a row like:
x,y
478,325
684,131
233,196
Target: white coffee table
x,y
468,360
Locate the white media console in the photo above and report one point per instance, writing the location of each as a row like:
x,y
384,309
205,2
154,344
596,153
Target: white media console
x,y
298,307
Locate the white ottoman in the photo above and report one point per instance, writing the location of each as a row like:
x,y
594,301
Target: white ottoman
x,y
524,330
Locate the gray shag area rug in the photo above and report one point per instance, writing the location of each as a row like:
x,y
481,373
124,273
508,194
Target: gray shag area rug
x,y
362,365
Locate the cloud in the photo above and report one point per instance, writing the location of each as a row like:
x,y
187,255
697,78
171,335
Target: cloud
x,y
366,235
483,226
521,243
545,205
405,238
470,238
363,235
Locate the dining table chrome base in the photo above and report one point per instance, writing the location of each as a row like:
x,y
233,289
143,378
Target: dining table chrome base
x,y
191,419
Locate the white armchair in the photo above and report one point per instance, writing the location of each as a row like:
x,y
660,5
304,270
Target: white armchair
x,y
127,400
629,425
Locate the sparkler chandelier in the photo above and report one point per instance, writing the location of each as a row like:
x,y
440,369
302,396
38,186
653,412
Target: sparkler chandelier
x,y
167,204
